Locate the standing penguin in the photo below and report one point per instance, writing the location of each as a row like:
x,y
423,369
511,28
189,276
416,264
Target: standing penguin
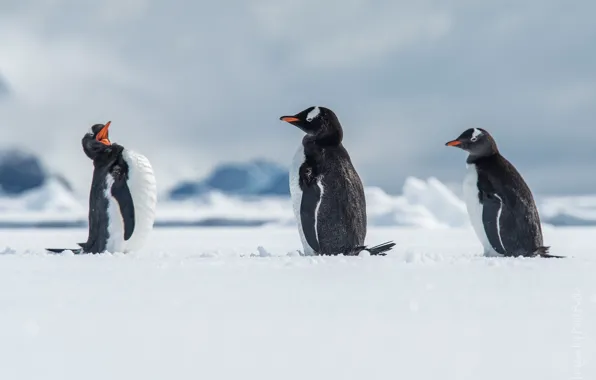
x,y
327,194
122,199
499,202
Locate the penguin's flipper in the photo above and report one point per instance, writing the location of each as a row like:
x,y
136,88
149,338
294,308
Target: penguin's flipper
x,y
76,251
492,209
121,193
311,196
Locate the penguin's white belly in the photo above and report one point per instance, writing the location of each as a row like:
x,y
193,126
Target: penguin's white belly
x,y
296,194
143,190
475,208
115,222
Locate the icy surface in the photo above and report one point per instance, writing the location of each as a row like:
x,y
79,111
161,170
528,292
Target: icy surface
x,y
446,207
569,211
51,201
252,193
217,303
20,170
256,177
423,203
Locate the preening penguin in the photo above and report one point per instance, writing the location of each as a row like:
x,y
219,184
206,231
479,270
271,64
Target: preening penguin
x,y
499,202
122,198
327,193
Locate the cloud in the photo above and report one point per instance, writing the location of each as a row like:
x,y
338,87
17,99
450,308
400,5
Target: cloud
x,y
192,84
339,34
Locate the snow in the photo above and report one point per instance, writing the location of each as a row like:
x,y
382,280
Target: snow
x,y
423,203
236,303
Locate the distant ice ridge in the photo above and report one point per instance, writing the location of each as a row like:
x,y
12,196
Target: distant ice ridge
x,y
257,177
569,210
31,195
428,204
423,203
51,204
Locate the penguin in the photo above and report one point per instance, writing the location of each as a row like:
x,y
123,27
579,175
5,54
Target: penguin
x,y
500,204
326,191
122,198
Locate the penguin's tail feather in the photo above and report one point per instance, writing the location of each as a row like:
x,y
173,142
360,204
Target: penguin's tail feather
x,y
381,249
543,252
76,251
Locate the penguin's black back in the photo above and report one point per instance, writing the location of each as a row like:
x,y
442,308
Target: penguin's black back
x,y
107,160
341,223
520,227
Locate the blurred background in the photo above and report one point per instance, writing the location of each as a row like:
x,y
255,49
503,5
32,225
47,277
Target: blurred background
x,y
196,86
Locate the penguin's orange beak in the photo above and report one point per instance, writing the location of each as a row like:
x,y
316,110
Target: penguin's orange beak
x,y
289,119
102,136
453,143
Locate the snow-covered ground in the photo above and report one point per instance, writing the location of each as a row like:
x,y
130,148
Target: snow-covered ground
x,y
207,303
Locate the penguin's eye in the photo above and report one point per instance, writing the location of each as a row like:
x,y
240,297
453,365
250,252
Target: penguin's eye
x,y
476,133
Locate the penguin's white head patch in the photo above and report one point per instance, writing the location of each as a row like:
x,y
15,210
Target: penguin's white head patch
x,y
313,114
476,133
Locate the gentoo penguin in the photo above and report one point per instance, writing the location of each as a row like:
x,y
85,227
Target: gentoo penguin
x,y
326,191
499,202
122,199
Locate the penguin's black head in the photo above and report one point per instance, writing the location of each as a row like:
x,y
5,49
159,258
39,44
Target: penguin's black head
x,y
97,142
100,133
476,141
319,122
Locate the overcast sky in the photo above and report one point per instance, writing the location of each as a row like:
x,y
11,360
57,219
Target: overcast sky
x,y
191,84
